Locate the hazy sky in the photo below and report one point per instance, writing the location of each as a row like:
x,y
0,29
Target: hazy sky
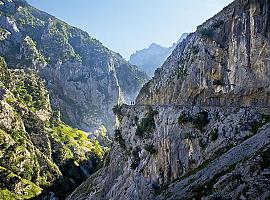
x,y
129,25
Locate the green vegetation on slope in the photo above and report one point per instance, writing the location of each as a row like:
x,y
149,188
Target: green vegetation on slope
x,y
38,151
15,187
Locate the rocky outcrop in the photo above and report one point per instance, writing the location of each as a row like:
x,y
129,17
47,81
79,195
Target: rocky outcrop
x,y
226,178
170,151
154,56
40,156
225,62
84,78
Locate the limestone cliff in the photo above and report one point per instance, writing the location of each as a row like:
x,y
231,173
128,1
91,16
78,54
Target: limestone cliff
x,y
84,78
40,156
184,152
201,126
225,62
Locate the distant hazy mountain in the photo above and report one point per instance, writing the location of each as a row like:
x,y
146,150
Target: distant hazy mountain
x,y
154,56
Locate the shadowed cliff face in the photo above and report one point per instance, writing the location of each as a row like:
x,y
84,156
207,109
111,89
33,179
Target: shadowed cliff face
x,y
84,78
225,62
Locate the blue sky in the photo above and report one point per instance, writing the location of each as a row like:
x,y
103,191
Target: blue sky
x,y
129,25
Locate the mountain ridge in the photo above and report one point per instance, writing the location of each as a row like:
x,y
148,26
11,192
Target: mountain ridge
x,y
152,57
85,79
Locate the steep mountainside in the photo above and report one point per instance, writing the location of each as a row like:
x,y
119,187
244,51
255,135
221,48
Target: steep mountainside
x,y
201,127
153,57
176,152
84,78
225,62
39,154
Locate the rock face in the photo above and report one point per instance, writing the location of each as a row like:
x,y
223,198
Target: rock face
x,y
225,62
84,78
40,156
174,152
201,127
154,56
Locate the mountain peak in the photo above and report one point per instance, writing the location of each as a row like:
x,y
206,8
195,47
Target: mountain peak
x,y
149,59
154,45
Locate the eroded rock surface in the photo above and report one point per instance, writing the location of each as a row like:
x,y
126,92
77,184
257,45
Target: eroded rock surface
x,y
84,78
225,62
215,146
162,147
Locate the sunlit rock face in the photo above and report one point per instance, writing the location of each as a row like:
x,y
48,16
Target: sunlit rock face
x,y
84,78
200,127
172,151
225,62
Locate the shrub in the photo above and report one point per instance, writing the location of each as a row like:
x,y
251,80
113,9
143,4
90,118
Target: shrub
x,y
202,144
207,33
181,73
135,158
147,125
140,130
214,135
218,24
31,94
119,138
150,148
218,83
74,138
118,112
183,119
255,126
27,98
195,50
17,135
200,120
